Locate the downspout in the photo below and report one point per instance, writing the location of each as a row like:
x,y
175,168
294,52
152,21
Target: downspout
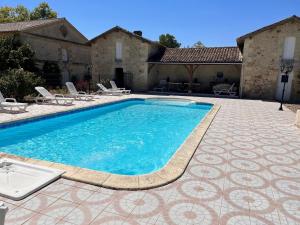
x,y
241,82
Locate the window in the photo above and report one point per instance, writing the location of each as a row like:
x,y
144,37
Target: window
x,y
119,51
64,55
289,47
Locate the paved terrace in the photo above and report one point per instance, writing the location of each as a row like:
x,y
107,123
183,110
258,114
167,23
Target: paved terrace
x,y
245,171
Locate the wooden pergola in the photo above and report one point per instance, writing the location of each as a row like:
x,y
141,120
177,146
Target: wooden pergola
x,y
191,68
193,58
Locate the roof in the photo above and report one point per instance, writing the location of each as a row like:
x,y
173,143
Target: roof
x,y
203,55
26,25
240,40
32,24
117,28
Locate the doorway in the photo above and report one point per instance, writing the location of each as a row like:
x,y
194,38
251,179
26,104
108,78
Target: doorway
x,y
119,77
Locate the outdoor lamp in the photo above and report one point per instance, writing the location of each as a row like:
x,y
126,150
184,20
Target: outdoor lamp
x,y
286,66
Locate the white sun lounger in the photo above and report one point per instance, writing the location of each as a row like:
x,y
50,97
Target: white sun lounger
x,y
221,90
104,90
79,95
115,87
46,96
11,103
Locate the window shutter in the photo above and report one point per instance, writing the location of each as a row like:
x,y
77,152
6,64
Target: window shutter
x,y
119,51
289,47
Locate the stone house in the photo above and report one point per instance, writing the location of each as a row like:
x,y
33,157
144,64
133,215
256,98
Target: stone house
x,y
122,55
54,40
140,64
262,52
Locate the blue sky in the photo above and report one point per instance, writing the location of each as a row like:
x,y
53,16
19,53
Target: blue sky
x,y
214,22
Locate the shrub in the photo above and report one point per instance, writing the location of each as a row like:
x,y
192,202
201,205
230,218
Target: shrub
x,y
14,54
51,74
82,85
18,83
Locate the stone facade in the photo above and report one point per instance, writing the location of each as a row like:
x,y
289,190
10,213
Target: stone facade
x,y
262,53
61,43
135,53
144,75
78,55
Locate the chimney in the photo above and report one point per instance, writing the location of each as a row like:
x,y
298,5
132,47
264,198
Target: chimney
x,y
138,32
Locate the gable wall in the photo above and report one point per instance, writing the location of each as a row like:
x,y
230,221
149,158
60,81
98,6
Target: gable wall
x,y
261,60
134,56
47,49
53,30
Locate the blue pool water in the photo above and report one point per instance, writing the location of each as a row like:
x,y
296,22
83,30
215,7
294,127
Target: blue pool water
x,y
131,137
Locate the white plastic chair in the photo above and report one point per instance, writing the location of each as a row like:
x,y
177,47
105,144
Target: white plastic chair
x,y
221,90
81,95
11,103
104,90
46,96
115,87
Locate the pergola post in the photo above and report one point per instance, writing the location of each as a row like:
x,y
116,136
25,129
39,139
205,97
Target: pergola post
x,y
191,69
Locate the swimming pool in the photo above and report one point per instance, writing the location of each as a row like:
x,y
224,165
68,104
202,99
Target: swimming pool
x,y
130,137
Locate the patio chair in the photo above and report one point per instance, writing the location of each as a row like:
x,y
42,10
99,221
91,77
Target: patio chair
x,y
115,87
45,96
162,86
224,89
78,95
11,103
104,90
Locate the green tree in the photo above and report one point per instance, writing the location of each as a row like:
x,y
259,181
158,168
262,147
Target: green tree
x,y
10,14
16,68
169,41
6,14
43,11
198,44
15,55
21,13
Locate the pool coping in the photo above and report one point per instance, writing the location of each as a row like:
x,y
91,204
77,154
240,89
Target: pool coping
x,y
174,169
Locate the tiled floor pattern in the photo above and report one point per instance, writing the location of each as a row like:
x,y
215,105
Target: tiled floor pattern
x,y
246,171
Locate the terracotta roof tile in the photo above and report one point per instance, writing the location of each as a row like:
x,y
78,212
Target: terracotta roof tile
x,y
20,26
198,55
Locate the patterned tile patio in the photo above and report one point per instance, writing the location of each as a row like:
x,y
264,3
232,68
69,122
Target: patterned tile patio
x,y
245,171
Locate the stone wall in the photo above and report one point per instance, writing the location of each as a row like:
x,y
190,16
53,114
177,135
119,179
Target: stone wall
x,y
261,59
51,40
205,74
51,50
135,53
62,30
